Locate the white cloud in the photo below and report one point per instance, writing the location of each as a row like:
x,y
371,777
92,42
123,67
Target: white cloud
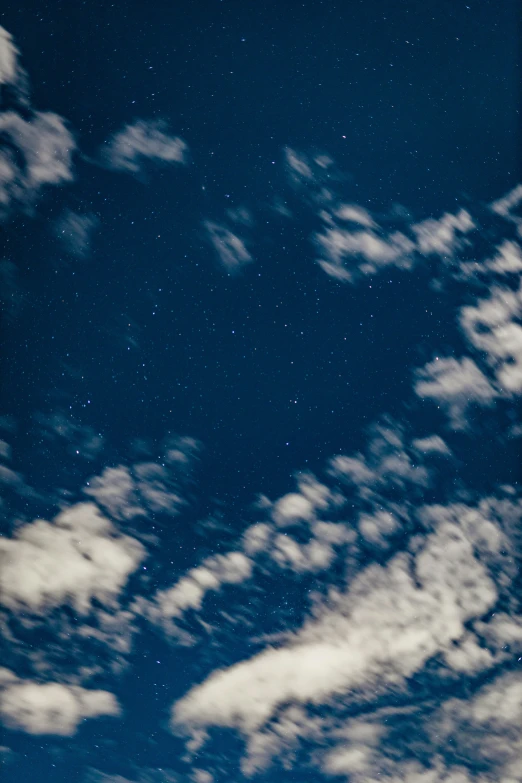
x,y
387,465
9,67
314,556
442,237
291,509
142,141
507,260
229,247
346,253
202,776
5,449
355,214
126,493
486,730
492,327
189,593
454,384
298,165
37,146
52,708
115,492
72,560
256,538
504,206
386,627
377,528
433,444
40,155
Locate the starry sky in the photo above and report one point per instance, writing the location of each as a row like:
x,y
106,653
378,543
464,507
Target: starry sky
x,y
261,368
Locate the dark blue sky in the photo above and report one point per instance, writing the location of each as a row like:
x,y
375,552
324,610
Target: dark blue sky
x,y
260,404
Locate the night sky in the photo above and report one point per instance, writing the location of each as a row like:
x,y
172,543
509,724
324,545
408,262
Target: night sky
x,y
261,369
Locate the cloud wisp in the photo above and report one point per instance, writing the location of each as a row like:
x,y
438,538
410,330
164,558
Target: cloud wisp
x,y
141,141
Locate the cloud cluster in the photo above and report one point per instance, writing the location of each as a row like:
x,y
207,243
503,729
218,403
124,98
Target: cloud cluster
x,y
492,330
383,629
352,243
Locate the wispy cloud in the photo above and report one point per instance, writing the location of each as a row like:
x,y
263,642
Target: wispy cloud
x,y
127,492
376,635
37,147
45,145
455,384
142,141
75,232
229,247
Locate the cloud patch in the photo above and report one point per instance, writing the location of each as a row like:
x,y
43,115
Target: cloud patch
x,y
75,231
142,141
76,558
229,247
52,708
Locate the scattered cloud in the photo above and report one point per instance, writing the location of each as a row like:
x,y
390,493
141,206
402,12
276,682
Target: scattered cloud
x,y
492,326
433,444
142,141
507,260
80,439
443,237
504,207
75,232
52,708
241,215
38,152
10,69
374,636
128,492
230,248
76,558
37,147
214,572
143,775
454,384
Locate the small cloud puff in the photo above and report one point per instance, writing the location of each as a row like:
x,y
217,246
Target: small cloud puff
x,y
230,248
142,141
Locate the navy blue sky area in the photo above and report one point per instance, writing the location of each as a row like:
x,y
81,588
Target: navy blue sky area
x,y
261,370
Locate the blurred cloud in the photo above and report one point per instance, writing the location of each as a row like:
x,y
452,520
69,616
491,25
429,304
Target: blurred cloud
x,y
142,141
229,247
75,232
73,560
50,707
